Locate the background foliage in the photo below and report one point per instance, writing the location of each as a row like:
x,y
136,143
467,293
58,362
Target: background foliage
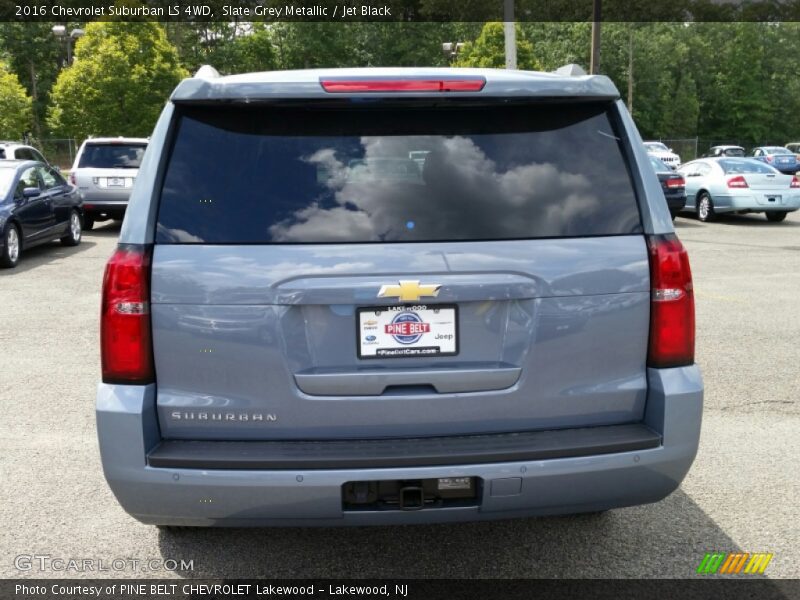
x,y
722,82
16,111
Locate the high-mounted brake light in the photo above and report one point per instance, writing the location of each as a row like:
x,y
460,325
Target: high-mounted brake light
x,y
737,182
454,84
795,182
126,349
671,304
677,182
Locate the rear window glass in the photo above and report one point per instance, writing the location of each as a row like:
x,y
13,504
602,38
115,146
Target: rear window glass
x,y
748,165
112,156
280,175
733,151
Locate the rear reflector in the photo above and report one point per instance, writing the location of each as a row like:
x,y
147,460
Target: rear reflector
x,y
126,349
677,182
671,304
459,84
737,182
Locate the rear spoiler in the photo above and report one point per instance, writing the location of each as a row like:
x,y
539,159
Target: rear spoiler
x,y
566,83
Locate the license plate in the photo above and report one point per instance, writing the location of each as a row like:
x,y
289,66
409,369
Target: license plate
x,y
407,331
116,182
775,199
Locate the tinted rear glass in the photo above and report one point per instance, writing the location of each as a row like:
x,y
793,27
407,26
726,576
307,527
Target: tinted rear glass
x,y
112,156
261,175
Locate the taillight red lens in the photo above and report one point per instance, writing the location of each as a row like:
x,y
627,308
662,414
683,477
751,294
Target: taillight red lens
x,y
769,158
676,183
126,349
671,304
795,182
737,182
456,84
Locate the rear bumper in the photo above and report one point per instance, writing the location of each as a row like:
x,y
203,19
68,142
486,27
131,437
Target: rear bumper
x,y
676,203
128,432
757,201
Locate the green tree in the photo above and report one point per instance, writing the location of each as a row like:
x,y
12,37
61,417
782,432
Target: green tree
x,y
121,77
488,50
35,55
15,117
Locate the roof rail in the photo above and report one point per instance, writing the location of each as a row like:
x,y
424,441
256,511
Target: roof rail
x,y
571,70
206,72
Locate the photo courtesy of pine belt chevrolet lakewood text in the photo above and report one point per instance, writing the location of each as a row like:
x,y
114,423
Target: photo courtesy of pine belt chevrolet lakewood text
x,y
395,296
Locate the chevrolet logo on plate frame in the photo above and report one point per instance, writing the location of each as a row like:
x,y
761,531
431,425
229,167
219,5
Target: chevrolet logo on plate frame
x,y
409,291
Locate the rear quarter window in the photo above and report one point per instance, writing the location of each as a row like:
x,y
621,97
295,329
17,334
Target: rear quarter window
x,y
281,175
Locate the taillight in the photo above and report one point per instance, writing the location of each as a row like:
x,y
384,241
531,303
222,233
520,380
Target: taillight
x,y
795,182
671,304
676,183
737,182
769,159
452,84
126,349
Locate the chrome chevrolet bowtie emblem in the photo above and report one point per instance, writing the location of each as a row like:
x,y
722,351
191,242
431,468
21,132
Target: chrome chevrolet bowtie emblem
x,y
409,291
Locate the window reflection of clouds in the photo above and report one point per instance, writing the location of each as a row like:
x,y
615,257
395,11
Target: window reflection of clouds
x,y
465,195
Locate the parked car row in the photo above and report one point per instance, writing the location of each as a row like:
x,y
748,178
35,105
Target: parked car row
x,y
728,181
37,205
781,157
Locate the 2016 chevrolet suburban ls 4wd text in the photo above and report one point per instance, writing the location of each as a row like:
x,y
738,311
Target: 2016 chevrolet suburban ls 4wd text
x,y
377,296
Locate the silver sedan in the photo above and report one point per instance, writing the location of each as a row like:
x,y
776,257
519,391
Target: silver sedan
x,y
742,185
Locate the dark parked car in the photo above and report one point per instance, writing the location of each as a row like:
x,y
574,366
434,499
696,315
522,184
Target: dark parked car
x,y
673,185
779,157
36,206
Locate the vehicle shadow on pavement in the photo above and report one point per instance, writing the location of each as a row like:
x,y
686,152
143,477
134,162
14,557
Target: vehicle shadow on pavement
x,y
672,543
686,223
104,229
44,255
754,220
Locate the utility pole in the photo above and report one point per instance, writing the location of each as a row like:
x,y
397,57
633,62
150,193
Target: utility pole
x,y
630,70
594,62
510,31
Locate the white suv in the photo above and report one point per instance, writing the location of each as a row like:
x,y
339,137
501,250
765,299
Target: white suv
x,y
104,172
664,154
17,151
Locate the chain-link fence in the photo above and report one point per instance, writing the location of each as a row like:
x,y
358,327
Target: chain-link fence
x,y
59,152
686,148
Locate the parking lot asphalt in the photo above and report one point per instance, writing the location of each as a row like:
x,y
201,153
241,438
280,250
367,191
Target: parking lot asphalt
x,y
741,495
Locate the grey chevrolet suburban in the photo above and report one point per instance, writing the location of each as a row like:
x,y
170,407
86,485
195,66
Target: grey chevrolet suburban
x,y
395,296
